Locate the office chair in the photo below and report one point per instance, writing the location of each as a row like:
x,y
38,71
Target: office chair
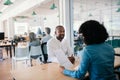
x,y
21,54
35,53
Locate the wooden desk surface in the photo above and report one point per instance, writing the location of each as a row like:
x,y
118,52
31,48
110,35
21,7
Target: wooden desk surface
x,y
41,72
45,72
117,58
117,61
3,44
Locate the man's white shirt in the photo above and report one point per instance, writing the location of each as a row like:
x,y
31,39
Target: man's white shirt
x,y
55,45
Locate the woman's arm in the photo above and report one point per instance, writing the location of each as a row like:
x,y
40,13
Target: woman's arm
x,y
83,67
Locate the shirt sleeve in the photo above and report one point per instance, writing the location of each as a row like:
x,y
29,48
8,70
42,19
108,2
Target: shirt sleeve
x,y
83,67
50,51
69,49
43,40
70,52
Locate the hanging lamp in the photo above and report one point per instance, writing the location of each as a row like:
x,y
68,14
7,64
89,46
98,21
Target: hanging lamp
x,y
45,18
118,10
8,2
34,13
53,6
90,15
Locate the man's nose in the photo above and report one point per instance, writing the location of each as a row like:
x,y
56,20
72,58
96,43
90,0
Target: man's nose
x,y
62,32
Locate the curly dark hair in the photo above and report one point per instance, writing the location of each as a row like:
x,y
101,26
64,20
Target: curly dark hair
x,y
93,32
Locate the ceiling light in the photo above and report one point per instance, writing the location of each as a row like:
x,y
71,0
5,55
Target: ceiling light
x,y
8,2
118,10
53,6
45,18
34,13
90,14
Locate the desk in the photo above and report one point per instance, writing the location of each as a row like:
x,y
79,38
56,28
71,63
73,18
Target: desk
x,y
7,45
117,58
48,71
117,62
43,72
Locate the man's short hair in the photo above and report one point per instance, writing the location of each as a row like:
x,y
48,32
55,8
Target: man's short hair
x,y
58,27
48,30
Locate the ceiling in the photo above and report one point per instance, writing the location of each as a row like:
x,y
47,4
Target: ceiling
x,y
83,9
5,8
40,9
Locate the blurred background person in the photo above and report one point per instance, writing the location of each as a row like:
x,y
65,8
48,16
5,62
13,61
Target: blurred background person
x,y
44,41
34,42
47,36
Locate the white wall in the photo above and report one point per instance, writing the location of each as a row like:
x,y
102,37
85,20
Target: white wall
x,y
51,21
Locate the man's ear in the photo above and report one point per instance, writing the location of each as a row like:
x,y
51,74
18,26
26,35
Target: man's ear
x,y
55,32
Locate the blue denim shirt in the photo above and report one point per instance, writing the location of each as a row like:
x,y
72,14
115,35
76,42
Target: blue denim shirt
x,y
97,60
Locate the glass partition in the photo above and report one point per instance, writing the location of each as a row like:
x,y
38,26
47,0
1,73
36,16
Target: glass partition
x,y
107,12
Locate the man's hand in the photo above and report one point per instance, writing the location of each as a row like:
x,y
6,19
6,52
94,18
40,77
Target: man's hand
x,y
72,59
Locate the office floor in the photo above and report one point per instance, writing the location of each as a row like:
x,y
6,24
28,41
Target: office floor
x,y
5,67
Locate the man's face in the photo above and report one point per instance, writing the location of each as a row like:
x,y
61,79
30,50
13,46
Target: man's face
x,y
60,33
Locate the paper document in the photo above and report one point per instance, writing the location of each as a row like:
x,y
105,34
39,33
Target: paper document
x,y
76,68
63,59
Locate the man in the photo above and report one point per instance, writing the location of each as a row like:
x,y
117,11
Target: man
x,y
48,36
44,42
58,43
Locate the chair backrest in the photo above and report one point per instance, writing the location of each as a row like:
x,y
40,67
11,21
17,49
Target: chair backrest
x,y
35,50
21,52
44,48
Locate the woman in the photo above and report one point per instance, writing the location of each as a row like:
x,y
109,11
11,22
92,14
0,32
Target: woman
x,y
34,42
97,57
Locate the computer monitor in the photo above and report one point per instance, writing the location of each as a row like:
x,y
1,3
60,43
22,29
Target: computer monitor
x,y
2,35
